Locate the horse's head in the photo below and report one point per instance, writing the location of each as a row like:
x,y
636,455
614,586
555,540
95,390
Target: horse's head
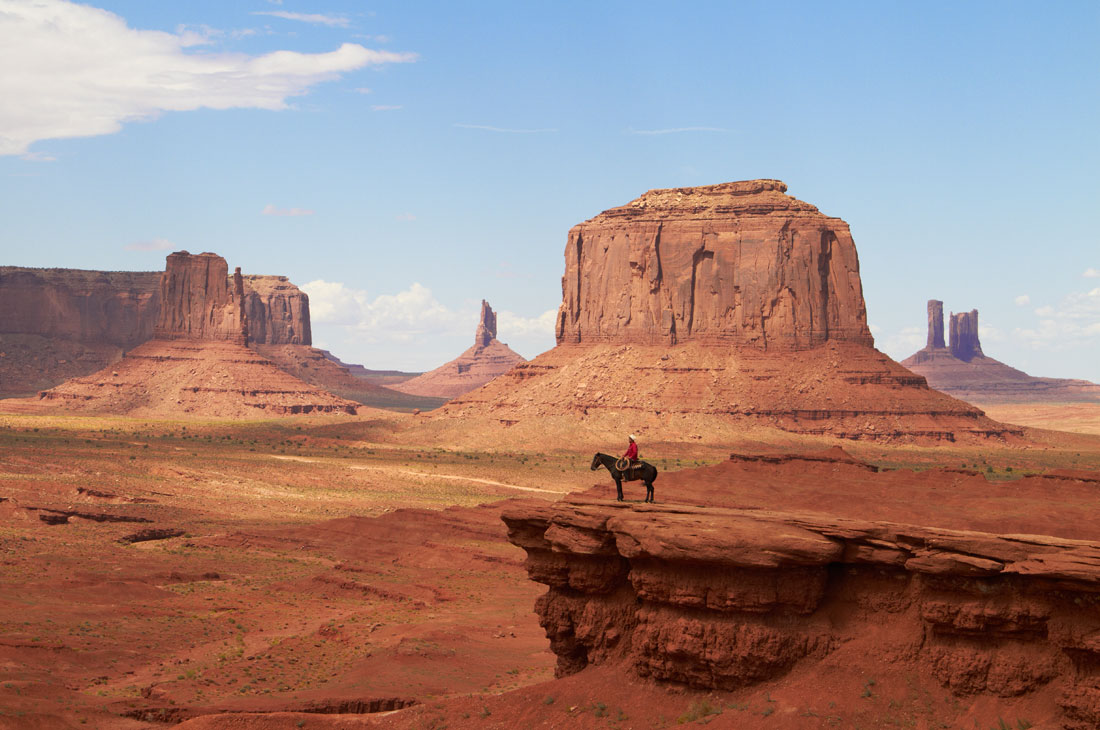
x,y
596,464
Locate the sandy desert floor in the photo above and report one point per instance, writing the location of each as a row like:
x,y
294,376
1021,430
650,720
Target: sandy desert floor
x,y
159,571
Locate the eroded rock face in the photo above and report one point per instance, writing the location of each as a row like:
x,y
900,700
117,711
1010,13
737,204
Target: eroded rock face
x,y
486,360
738,263
64,323
935,324
964,335
277,311
198,301
720,597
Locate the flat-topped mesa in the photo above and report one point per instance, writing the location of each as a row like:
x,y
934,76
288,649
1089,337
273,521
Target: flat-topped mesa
x,y
739,263
486,327
198,301
964,335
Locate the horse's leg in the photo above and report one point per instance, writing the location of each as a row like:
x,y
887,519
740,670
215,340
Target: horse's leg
x,y
649,490
619,489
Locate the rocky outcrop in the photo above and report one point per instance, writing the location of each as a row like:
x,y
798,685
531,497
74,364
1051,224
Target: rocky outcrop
x,y
935,324
738,263
962,370
198,300
486,360
706,311
277,311
197,362
65,323
964,335
721,597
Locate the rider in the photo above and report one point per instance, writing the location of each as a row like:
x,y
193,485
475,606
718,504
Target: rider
x,y
632,451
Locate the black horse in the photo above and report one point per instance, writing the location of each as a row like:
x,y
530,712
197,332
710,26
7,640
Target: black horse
x,y
644,471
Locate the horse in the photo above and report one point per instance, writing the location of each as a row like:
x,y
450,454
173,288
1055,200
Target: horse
x,y
644,471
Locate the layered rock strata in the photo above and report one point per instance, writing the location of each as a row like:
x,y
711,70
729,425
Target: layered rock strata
x,y
722,597
65,323
737,263
962,370
711,310
487,359
197,362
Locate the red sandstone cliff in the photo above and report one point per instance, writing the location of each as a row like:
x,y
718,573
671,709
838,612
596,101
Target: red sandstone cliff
x,y
197,362
487,359
703,311
738,263
738,576
63,323
962,370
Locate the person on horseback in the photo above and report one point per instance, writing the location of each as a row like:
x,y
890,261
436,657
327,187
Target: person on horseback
x,y
631,452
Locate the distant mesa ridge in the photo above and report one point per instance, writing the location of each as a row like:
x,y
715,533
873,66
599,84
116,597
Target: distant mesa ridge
x,y
963,370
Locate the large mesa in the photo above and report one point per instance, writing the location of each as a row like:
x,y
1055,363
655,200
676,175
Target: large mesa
x,y
700,312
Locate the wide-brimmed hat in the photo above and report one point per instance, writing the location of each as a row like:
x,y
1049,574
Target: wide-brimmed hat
x,y
631,437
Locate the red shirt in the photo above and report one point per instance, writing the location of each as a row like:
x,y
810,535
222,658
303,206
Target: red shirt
x,y
631,451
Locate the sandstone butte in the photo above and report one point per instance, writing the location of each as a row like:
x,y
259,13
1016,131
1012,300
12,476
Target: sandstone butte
x,y
962,370
64,323
198,361
714,310
485,360
741,579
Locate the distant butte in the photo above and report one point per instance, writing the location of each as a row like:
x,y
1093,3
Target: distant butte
x,y
962,370
487,359
697,312
198,362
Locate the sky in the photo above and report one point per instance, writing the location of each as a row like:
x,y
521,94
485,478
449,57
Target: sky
x,y
401,161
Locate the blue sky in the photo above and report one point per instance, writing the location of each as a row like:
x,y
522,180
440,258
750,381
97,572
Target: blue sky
x,y
403,160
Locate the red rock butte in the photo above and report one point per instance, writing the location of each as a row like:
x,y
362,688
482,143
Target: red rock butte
x,y
485,360
738,263
693,312
198,361
960,368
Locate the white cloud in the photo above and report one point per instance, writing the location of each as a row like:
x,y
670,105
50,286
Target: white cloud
x,y
1074,323
410,329
902,343
513,325
385,107
1091,273
1022,300
270,209
156,244
362,90
333,21
82,72
405,217
505,130
677,130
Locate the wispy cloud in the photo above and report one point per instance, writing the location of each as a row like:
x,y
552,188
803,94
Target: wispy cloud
x,y
1073,323
361,90
405,217
1022,300
285,212
386,107
83,72
333,21
1091,273
677,130
505,130
156,244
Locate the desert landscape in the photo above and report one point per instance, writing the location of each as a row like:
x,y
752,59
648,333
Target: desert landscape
x,y
254,474
193,536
